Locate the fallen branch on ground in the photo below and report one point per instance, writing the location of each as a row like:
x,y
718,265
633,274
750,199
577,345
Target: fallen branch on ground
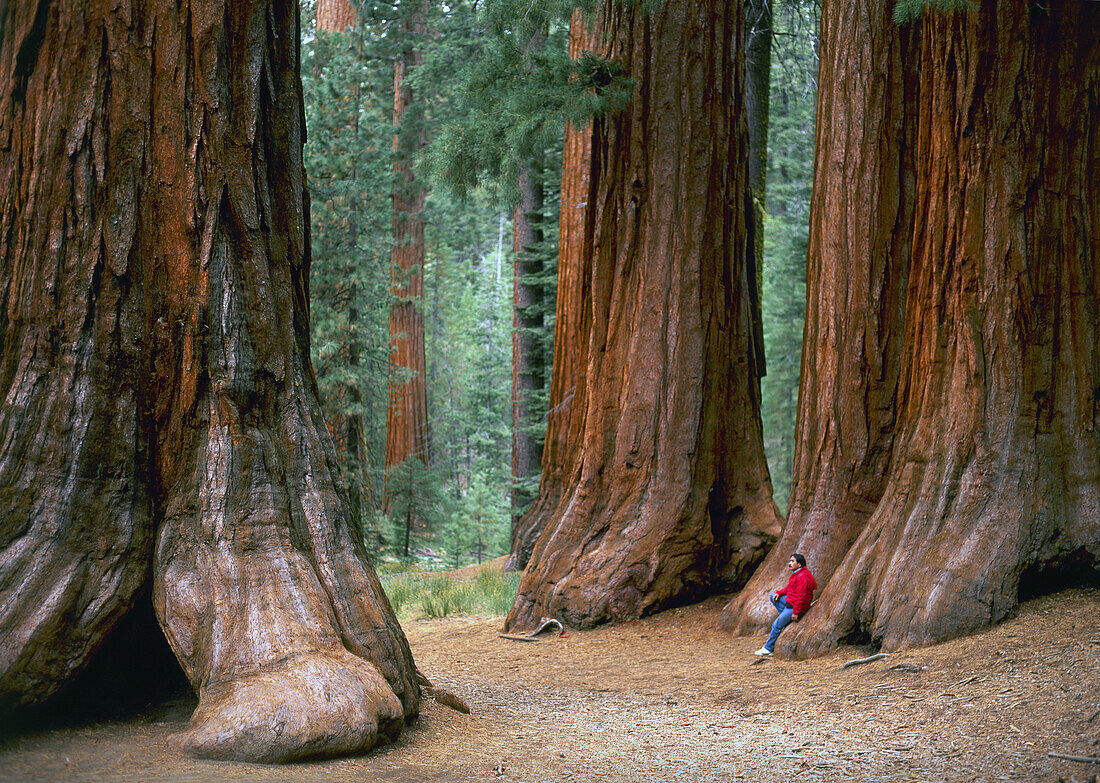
x,y
1082,759
859,661
547,622
907,667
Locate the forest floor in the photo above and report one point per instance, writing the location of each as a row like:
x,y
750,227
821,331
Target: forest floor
x,y
670,698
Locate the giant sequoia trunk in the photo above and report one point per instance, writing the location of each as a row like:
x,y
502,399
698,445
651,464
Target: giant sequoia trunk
x,y
407,414
991,466
668,493
572,321
160,411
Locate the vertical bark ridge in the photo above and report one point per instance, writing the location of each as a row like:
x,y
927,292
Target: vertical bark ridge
x,y
335,15
77,532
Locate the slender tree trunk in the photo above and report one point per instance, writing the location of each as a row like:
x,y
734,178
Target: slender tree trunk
x,y
758,70
757,92
157,384
407,417
992,471
528,364
571,325
337,16
856,276
670,494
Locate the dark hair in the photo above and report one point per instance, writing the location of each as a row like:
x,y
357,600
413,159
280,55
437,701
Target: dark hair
x,y
801,559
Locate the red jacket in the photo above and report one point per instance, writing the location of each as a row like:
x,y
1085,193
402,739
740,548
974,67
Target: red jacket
x,y
799,590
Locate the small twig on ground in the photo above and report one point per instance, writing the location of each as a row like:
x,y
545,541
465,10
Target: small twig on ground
x,y
1093,716
967,681
1082,759
859,661
907,667
517,638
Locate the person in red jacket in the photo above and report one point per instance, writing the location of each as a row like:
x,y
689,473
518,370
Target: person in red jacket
x,y
792,601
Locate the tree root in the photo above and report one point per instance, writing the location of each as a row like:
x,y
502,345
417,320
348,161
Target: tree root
x,y
309,705
442,695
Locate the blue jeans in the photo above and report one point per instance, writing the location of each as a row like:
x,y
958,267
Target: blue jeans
x,y
781,622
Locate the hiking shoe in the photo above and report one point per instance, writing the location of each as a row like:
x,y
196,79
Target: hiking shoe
x,y
763,651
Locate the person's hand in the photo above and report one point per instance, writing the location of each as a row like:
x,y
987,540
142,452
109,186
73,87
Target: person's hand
x,y
794,617
775,595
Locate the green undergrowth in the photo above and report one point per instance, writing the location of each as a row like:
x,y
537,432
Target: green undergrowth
x,y
418,594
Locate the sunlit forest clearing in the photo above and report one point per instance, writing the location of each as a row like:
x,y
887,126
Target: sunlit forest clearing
x,y
462,391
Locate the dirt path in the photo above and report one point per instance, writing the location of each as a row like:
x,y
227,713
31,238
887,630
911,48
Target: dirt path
x,y
671,699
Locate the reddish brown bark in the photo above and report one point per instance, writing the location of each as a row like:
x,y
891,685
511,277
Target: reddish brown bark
x,y
992,476
571,325
335,16
669,493
407,414
156,379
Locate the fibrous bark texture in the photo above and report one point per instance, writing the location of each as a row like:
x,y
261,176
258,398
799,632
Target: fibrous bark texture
x,y
407,414
668,493
571,325
159,410
990,458
335,16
